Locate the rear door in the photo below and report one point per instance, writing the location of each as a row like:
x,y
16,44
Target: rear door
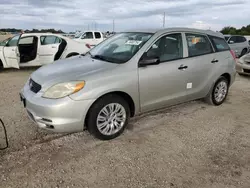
x,y
98,37
48,48
11,52
201,64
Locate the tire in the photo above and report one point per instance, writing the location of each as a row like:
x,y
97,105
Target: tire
x,y
97,111
244,51
211,97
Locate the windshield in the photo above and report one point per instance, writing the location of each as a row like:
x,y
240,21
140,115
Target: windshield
x,y
78,35
120,48
4,42
226,38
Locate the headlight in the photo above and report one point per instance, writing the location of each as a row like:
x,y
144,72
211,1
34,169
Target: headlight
x,y
63,89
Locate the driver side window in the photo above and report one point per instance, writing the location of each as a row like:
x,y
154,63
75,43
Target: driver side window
x,y
167,48
87,35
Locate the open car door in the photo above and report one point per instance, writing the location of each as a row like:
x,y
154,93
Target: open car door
x,y
48,48
11,53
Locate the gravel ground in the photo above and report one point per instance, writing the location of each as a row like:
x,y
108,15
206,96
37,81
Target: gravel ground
x,y
192,145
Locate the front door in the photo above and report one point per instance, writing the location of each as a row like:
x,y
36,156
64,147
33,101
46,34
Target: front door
x,y
164,84
88,38
48,48
11,53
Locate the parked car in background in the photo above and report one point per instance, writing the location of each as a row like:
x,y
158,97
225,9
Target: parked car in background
x,y
239,44
130,73
243,65
91,38
35,49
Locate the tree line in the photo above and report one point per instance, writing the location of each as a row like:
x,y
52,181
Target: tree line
x,y
245,30
13,30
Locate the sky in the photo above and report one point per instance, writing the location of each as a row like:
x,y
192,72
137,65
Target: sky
x,y
72,15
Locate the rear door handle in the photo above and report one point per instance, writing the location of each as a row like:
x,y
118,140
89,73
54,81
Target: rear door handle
x,y
53,46
215,61
182,67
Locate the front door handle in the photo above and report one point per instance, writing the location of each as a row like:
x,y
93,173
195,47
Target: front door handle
x,y
53,47
215,61
182,67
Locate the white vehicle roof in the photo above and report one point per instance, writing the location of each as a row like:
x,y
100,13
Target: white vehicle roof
x,y
179,29
45,34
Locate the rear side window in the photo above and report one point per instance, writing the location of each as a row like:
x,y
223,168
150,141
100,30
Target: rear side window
x,y
241,39
219,44
97,35
198,45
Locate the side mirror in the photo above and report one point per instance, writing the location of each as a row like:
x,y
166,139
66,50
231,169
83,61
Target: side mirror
x,y
231,42
147,60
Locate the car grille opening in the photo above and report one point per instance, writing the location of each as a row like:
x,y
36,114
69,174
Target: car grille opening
x,y
35,87
246,70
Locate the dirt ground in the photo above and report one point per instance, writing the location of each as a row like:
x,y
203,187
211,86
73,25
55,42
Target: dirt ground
x,y
193,145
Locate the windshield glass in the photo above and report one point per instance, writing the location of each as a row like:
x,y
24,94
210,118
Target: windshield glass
x,y
120,48
4,42
78,35
226,38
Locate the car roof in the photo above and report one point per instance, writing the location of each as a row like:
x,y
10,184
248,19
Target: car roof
x,y
40,34
178,29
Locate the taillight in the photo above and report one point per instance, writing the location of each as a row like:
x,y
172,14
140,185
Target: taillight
x,y
233,54
88,46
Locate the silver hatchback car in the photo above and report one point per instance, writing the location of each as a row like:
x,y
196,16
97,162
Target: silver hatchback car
x,y
127,74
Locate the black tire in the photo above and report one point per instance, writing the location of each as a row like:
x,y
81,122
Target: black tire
x,y
210,98
97,107
244,51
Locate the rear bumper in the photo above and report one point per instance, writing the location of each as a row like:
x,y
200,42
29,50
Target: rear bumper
x,y
58,115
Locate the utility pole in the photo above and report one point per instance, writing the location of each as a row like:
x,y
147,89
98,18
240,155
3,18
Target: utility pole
x,y
113,25
164,16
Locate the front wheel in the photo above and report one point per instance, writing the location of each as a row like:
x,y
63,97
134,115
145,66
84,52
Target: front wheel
x,y
244,51
219,93
108,117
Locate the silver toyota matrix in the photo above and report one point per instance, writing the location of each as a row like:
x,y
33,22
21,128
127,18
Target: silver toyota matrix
x,y
128,74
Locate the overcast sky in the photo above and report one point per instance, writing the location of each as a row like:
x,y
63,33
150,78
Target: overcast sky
x,y
71,15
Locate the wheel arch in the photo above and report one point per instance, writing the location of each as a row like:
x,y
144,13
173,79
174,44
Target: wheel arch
x,y
122,94
72,54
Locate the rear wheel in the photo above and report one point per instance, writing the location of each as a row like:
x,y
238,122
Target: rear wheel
x,y
108,117
219,93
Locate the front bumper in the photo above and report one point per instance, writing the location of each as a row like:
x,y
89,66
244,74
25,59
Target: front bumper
x,y
243,68
58,115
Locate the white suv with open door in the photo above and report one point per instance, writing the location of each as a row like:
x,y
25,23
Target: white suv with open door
x,y
36,49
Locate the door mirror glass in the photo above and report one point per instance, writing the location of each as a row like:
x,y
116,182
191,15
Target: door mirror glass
x,y
149,58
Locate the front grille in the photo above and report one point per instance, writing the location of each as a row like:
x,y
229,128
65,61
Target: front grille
x,y
246,70
35,87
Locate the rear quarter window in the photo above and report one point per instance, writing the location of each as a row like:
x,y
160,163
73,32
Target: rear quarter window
x,y
219,44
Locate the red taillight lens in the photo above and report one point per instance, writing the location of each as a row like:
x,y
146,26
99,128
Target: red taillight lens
x,y
233,54
88,46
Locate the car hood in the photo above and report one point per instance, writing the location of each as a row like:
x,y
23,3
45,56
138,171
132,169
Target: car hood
x,y
246,58
75,68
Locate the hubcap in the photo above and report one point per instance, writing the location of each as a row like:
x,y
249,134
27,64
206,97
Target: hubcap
x,y
220,91
111,119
